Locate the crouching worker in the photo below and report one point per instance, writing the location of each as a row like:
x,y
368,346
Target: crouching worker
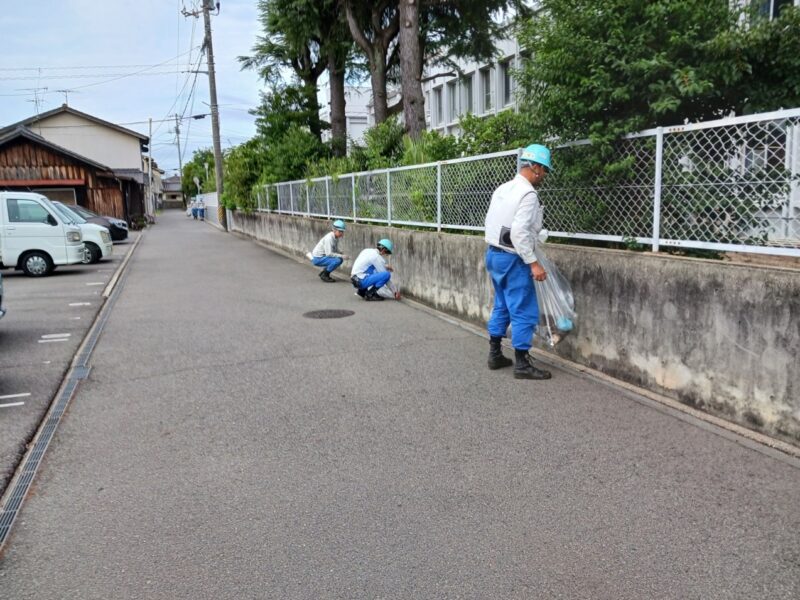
x,y
370,272
326,252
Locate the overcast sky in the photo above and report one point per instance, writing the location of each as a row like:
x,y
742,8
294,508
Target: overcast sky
x,y
80,45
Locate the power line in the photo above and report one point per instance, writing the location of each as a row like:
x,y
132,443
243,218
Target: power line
x,y
115,78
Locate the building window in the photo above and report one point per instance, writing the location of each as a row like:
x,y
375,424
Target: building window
x,y
507,82
772,8
437,106
452,96
466,92
486,89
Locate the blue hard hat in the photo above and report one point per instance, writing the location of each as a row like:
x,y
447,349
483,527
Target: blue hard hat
x,y
339,224
387,244
536,153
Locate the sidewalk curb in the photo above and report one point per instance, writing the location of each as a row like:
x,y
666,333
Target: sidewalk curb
x,y
19,485
728,429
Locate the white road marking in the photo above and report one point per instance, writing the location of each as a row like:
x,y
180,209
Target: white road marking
x,y
15,396
12,404
75,318
47,362
56,340
51,336
96,283
80,303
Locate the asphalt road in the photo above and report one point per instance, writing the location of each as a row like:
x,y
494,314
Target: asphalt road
x,y
46,322
224,446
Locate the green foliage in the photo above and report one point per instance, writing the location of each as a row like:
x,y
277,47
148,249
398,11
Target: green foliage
x,y
603,69
506,130
244,165
196,168
431,146
383,145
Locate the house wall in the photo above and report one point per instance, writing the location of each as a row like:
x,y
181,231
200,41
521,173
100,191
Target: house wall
x,y
23,160
87,138
719,336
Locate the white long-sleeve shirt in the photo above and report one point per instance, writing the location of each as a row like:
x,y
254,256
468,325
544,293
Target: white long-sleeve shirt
x,y
327,246
515,218
369,257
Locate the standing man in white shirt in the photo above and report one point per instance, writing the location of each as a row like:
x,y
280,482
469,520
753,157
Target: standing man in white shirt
x,y
326,253
512,228
371,272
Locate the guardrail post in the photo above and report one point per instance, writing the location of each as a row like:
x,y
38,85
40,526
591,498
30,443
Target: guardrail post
x,y
388,198
291,199
438,196
657,188
308,200
328,197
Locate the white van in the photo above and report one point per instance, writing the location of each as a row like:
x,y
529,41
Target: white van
x,y
96,238
33,237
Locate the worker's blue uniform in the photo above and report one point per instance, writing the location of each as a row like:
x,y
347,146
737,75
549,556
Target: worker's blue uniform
x,y
331,263
512,224
514,298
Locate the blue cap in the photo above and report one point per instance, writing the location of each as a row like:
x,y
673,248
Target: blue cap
x,y
387,244
339,224
536,153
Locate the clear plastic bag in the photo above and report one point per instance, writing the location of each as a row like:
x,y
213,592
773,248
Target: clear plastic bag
x,y
556,303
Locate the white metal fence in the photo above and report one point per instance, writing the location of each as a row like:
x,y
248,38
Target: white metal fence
x,y
726,185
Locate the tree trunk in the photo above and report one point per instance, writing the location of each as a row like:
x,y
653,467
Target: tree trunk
x,y
410,68
377,71
338,103
312,104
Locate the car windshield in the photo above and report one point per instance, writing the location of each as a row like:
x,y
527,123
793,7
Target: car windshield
x,y
86,214
65,214
69,214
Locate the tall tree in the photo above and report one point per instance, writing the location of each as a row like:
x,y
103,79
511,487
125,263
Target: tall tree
x,y
290,40
436,33
374,26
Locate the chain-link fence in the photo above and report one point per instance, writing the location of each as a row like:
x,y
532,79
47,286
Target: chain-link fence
x,y
726,185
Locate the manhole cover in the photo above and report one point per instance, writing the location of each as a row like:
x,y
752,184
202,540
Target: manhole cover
x,y
328,314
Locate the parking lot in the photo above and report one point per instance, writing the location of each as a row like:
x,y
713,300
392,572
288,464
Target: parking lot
x,y
46,321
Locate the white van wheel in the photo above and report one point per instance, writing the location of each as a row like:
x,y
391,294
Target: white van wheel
x,y
91,254
36,264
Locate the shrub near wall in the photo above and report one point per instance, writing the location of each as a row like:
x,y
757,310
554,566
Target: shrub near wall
x,y
718,336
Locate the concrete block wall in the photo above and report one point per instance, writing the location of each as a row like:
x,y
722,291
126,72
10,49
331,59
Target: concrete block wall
x,y
718,336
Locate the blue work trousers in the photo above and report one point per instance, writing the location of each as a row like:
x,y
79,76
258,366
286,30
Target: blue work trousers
x,y
331,263
514,298
375,279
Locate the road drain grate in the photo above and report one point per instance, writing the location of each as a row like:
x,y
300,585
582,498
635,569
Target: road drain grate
x,y
328,314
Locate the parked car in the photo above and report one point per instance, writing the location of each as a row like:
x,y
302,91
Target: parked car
x,y
116,227
34,237
2,310
96,238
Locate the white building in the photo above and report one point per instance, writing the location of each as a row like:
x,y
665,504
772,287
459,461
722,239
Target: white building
x,y
482,89
357,112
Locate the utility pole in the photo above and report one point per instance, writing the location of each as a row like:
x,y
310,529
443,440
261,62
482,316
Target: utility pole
x,y
212,88
208,6
150,168
178,141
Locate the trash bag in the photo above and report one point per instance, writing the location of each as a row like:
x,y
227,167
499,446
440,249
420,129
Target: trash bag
x,y
556,303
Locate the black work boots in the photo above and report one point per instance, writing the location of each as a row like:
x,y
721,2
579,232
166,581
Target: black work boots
x,y
496,358
372,295
326,277
525,369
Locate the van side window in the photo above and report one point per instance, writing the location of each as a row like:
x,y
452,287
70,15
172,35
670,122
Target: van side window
x,y
26,211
